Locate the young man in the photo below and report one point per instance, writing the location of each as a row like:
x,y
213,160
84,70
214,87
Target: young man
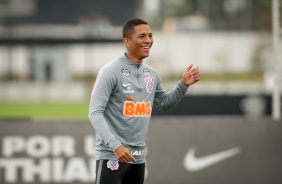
x,y
121,106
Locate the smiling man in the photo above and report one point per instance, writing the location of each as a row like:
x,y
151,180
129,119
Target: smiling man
x,y
121,106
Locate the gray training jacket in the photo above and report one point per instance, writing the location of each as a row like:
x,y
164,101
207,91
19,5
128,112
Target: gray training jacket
x,y
121,105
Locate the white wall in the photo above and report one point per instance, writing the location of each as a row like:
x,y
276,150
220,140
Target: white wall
x,y
213,52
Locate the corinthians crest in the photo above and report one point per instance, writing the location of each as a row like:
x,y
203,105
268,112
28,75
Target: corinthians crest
x,y
113,165
150,84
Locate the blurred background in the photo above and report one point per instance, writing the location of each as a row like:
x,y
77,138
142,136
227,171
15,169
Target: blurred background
x,y
51,52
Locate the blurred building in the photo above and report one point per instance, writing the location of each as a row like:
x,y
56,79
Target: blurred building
x,y
42,20
60,45
62,18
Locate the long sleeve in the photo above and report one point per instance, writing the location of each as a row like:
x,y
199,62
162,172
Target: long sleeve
x,y
167,100
103,88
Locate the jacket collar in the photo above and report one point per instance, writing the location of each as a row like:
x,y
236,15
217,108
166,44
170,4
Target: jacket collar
x,y
127,61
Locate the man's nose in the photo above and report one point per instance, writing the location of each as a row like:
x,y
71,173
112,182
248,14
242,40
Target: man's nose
x,y
148,39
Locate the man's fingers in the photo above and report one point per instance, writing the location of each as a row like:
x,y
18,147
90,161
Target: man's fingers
x,y
191,75
127,158
123,155
122,160
132,158
195,72
194,69
189,67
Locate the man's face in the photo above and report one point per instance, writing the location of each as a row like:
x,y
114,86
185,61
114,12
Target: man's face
x,y
140,43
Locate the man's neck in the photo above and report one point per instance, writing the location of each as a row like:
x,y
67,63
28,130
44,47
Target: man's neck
x,y
133,59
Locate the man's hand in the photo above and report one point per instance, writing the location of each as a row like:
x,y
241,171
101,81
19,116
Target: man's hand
x,y
191,75
123,155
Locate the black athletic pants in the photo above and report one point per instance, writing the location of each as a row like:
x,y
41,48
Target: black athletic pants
x,y
113,172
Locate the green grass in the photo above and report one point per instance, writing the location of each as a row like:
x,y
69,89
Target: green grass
x,y
79,110
44,110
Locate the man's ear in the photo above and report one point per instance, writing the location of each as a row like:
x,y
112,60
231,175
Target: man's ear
x,y
126,42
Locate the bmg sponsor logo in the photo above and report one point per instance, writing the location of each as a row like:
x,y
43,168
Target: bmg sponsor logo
x,y
138,109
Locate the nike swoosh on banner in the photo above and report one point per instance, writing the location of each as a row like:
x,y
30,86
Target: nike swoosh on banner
x,y
125,85
191,163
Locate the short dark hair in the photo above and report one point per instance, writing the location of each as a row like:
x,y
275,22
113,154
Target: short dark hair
x,y
129,25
